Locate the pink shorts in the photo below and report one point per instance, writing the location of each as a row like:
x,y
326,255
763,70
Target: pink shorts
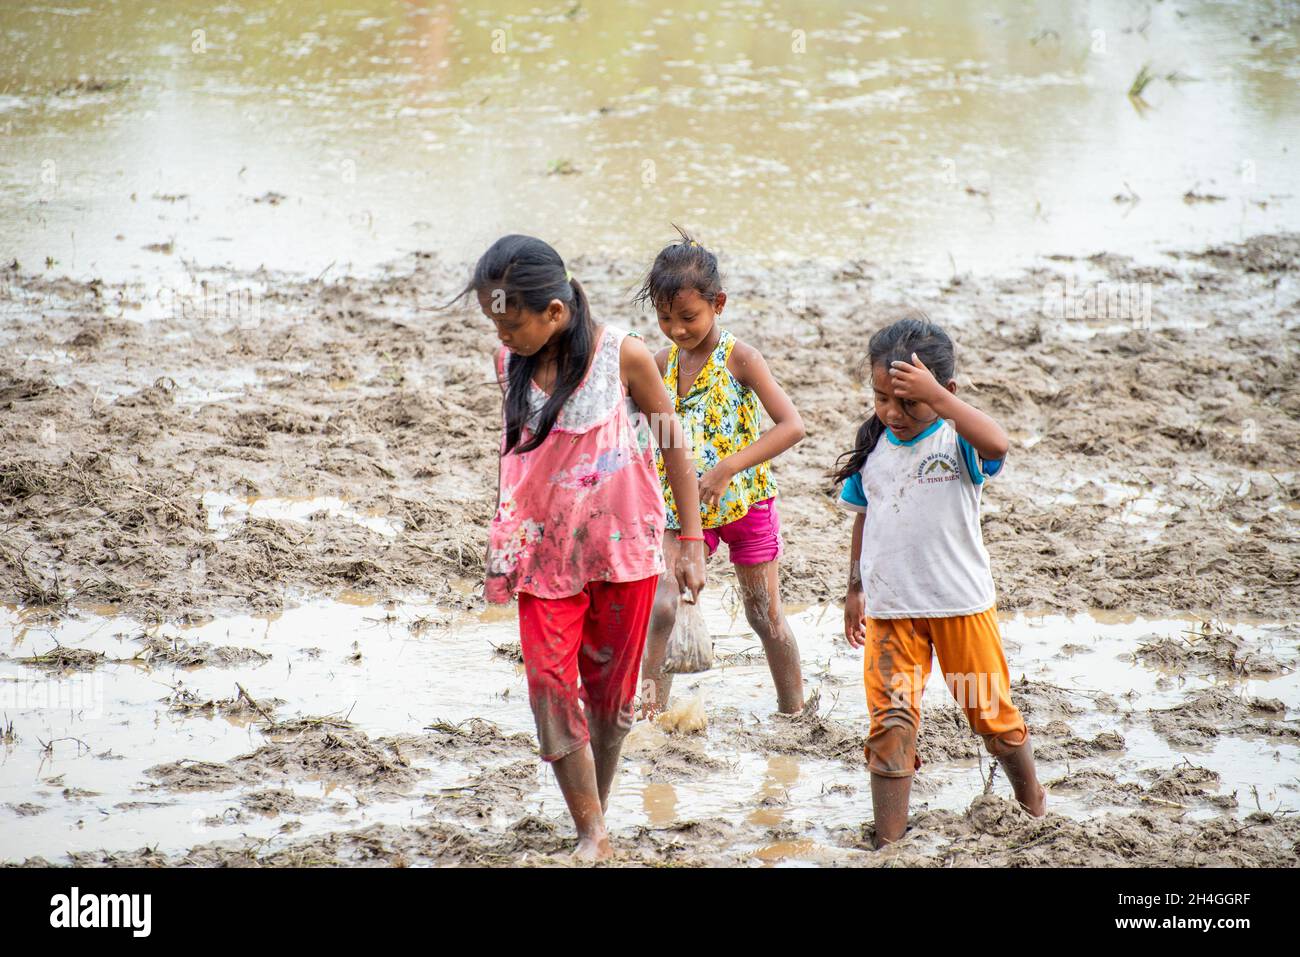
x,y
751,540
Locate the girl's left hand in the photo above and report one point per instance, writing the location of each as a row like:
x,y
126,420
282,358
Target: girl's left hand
x,y
915,382
714,482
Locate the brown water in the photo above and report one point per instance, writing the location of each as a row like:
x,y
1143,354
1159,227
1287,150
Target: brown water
x,y
109,725
339,135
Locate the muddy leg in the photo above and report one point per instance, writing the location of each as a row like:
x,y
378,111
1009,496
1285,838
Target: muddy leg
x,y
576,775
606,746
760,592
889,799
1019,765
655,685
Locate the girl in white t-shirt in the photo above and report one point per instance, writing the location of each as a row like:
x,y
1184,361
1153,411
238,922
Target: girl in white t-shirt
x,y
919,579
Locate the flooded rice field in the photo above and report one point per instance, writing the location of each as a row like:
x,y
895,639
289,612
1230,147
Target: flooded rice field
x,y
342,727
245,623
247,457
143,139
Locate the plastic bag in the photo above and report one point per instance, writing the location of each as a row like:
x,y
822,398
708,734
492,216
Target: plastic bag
x,y
690,648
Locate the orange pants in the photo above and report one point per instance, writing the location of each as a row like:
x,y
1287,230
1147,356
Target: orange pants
x,y
897,665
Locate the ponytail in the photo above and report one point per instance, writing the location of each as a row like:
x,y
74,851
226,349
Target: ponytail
x,y
851,462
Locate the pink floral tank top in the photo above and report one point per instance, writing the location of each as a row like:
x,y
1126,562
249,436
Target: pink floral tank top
x,y
585,505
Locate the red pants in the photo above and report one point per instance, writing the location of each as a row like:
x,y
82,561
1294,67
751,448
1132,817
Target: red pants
x,y
598,634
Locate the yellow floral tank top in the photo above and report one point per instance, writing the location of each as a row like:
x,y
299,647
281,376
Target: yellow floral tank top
x,y
720,416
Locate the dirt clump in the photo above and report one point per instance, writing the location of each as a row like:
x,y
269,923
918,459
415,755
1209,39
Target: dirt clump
x,y
475,737
1074,747
1185,783
510,650
274,801
682,760
158,650
1205,715
1096,787
184,701
945,735
807,733
65,660
1212,648
309,748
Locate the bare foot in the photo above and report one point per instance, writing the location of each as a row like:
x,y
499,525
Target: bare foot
x,y
593,848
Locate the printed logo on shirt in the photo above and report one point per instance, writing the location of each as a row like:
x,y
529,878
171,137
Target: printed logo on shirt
x,y
939,467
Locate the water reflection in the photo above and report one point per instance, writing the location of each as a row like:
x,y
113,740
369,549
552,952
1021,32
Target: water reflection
x,y
138,138
111,723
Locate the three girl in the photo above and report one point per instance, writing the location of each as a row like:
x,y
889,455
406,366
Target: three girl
x,y
597,533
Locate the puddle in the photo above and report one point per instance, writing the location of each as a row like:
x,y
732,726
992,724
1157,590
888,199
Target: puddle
x,y
1146,508
397,668
1143,507
184,388
226,512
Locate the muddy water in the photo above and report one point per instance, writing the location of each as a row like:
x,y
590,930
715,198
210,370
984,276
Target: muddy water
x,y
229,511
397,669
139,139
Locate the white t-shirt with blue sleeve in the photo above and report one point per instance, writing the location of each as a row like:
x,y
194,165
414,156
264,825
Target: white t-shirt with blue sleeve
x,y
923,554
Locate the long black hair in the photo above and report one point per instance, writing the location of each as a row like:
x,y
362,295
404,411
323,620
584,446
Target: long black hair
x,y
897,342
680,265
527,274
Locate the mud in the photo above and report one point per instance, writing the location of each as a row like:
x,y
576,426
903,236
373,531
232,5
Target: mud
x,y
1153,470
995,831
168,512
808,733
1110,806
1218,711
992,831
159,650
1214,647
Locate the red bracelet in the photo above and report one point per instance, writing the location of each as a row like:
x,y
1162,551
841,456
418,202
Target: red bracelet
x,y
690,538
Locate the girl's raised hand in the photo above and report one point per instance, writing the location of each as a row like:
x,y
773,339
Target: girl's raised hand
x,y
915,382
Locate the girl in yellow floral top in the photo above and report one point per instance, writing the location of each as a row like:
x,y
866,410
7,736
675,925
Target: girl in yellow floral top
x,y
717,383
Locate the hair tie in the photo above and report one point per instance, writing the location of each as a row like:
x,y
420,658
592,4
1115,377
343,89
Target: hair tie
x,y
568,276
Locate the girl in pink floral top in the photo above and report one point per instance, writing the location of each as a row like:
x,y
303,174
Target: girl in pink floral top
x,y
577,536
